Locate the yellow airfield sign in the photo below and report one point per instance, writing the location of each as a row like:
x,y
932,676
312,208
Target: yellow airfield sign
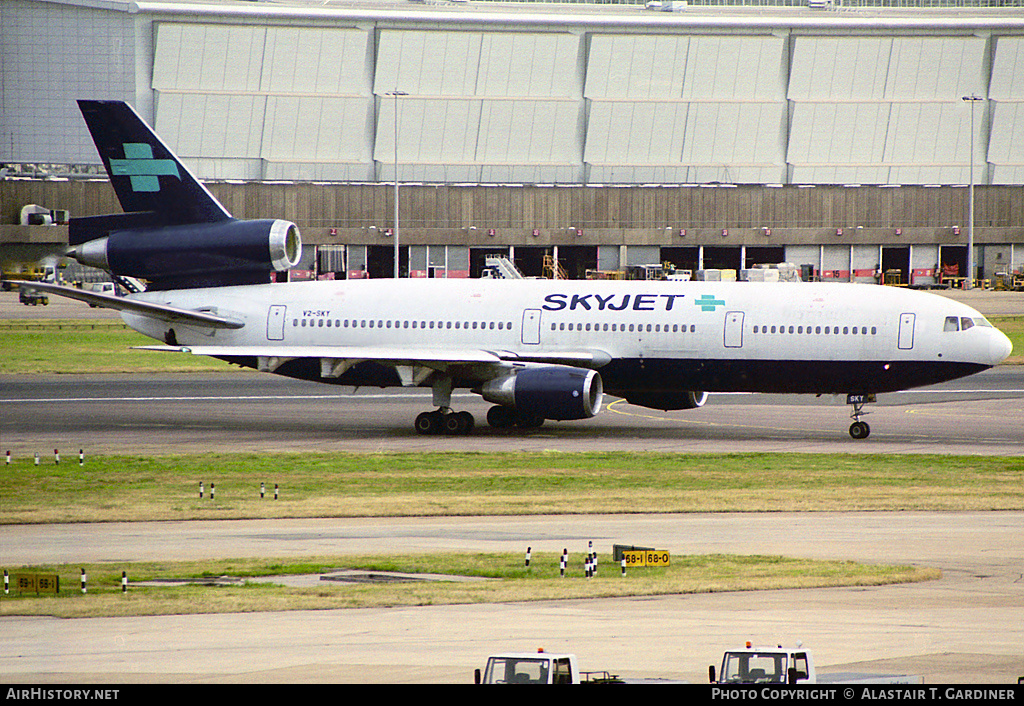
x,y
645,557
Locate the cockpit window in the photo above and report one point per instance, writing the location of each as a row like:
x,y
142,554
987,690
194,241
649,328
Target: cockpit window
x,y
962,323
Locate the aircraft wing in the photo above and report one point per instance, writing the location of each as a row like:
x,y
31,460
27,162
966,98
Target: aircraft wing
x,y
157,311
337,359
383,354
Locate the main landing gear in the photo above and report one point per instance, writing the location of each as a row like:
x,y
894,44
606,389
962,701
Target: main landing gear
x,y
445,421
859,429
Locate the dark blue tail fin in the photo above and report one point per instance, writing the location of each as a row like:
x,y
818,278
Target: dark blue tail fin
x,y
151,183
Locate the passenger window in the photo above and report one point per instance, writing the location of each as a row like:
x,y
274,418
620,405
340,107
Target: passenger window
x,y
952,324
966,323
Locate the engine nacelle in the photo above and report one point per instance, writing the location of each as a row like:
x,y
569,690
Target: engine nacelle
x,y
686,399
551,392
206,254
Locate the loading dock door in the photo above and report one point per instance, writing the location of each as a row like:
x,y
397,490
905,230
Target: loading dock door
x,y
531,326
275,322
734,329
906,337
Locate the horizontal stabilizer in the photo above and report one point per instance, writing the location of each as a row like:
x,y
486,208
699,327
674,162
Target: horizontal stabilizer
x,y
161,312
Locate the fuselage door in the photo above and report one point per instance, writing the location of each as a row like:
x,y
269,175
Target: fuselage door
x,y
734,329
906,337
275,322
531,326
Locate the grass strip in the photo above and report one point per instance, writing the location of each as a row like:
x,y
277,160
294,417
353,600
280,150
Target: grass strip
x,y
515,583
144,488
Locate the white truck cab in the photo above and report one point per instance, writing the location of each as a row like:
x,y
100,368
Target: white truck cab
x,y
530,668
782,665
765,665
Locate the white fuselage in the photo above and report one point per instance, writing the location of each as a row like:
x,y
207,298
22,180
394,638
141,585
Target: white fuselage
x,y
711,336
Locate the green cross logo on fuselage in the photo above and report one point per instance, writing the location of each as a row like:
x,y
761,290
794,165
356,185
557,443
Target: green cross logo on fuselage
x,y
142,168
707,302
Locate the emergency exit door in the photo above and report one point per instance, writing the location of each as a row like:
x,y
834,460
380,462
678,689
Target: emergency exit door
x,y
275,322
734,329
906,337
531,326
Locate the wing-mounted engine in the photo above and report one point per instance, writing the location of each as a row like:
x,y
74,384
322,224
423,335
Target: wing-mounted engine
x,y
686,399
548,392
196,255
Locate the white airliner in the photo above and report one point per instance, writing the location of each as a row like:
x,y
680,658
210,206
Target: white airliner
x,y
537,349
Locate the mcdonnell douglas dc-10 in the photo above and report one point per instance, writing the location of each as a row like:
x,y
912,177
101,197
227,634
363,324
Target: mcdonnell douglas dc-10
x,y
538,349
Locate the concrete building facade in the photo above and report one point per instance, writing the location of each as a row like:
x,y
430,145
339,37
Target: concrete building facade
x,y
604,136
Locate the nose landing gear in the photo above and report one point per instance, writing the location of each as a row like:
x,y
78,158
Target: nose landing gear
x,y
859,429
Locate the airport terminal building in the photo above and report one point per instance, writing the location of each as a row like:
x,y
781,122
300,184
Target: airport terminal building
x,y
573,138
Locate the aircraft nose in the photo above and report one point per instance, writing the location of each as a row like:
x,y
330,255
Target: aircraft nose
x,y
999,347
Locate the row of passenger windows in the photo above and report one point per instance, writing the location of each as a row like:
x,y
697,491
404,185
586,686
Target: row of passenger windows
x,y
372,323
849,330
656,328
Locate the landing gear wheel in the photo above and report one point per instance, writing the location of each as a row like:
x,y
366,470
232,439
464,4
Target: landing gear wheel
x,y
529,421
458,423
501,417
429,423
860,430
439,422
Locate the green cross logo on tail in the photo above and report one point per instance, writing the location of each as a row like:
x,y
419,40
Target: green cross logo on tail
x,y
144,170
707,302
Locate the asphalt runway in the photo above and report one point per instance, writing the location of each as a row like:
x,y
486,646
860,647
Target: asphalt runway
x,y
258,412
964,628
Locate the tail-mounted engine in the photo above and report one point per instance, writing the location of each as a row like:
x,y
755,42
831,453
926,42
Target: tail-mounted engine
x,y
549,392
195,255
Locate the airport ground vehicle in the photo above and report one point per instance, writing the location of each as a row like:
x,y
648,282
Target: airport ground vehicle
x,y
27,295
781,665
530,668
542,667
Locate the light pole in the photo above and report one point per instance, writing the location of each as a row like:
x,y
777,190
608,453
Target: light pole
x,y
969,282
396,93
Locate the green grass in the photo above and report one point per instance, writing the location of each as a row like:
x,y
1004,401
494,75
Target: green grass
x,y
81,346
1013,327
510,581
137,488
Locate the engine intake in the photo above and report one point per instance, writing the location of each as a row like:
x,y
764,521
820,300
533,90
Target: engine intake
x,y
551,392
196,255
